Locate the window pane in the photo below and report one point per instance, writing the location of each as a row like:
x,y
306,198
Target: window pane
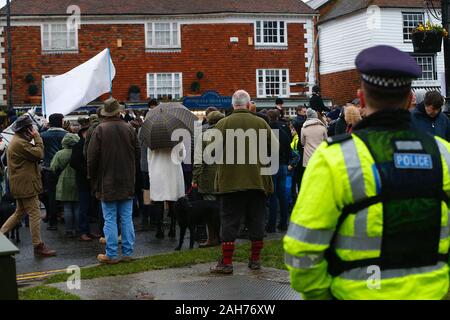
x,y
410,22
150,34
58,37
427,65
168,85
162,34
175,34
72,39
271,32
46,36
273,83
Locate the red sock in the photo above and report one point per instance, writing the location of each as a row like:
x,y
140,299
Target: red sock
x,y
227,252
256,250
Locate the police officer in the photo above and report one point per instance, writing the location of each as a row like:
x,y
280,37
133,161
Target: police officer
x,y
382,230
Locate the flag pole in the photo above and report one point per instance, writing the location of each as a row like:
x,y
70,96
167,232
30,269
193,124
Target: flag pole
x,y
9,56
44,110
109,68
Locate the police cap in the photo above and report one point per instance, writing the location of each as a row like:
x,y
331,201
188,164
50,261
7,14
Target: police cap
x,y
387,67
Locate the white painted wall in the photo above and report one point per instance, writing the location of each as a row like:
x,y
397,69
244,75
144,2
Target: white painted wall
x,y
342,39
391,33
2,68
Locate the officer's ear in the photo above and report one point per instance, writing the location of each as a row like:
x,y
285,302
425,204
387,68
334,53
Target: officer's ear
x,y
362,98
410,100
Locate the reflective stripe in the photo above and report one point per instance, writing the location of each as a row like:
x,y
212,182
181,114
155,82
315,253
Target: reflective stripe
x,y
356,178
305,262
361,223
322,237
445,233
448,218
444,152
372,243
358,243
354,170
363,274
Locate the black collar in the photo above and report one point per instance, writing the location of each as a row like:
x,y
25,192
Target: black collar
x,y
396,119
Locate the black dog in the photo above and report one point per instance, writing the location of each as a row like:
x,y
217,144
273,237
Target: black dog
x,y
7,209
191,212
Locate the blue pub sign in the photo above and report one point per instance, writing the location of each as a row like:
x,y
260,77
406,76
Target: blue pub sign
x,y
208,99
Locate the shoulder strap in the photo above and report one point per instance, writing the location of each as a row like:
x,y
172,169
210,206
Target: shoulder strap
x,y
339,138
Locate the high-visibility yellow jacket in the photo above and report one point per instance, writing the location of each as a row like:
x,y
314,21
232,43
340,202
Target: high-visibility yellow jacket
x,y
294,143
328,185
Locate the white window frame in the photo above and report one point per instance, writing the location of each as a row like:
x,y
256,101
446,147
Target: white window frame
x,y
261,43
155,82
153,46
265,95
435,76
403,23
67,48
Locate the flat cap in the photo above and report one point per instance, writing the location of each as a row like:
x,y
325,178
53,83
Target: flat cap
x,y
387,67
21,123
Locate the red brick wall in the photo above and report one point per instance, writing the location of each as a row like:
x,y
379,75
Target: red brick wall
x,y
340,87
207,48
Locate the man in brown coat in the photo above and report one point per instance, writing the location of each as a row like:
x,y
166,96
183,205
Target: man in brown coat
x,y
24,153
112,159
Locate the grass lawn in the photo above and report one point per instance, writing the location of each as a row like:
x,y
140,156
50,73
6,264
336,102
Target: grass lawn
x,y
272,256
45,293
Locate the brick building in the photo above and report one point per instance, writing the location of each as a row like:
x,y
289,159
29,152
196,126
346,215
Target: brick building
x,y
346,27
169,49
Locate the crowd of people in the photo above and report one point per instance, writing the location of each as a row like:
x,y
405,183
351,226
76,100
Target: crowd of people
x,y
99,169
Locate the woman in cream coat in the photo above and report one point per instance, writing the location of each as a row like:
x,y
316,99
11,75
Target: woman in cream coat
x,y
166,182
314,132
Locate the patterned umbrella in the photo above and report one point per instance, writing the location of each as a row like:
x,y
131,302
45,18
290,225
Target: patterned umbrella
x,y
162,121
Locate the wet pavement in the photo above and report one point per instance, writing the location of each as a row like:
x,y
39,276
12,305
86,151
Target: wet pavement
x,y
191,283
73,252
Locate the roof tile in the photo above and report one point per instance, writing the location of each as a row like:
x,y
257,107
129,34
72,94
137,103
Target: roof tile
x,y
344,7
158,7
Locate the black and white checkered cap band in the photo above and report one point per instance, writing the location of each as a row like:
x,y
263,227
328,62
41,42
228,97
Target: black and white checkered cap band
x,y
387,82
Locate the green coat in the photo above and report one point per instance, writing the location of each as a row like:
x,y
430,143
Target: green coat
x,y
242,177
204,174
66,189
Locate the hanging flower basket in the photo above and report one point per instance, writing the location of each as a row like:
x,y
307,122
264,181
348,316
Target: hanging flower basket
x,y
428,39
427,42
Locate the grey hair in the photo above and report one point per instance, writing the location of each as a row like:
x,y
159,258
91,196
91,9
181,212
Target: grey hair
x,y
241,99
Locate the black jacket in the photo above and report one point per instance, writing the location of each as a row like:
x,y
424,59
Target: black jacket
x,y
285,153
341,124
298,123
439,126
52,143
316,103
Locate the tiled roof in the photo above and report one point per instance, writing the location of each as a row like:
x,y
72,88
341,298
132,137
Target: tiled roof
x,y
158,7
344,7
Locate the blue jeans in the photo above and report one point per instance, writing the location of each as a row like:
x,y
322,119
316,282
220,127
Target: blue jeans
x,y
124,210
279,197
85,206
71,216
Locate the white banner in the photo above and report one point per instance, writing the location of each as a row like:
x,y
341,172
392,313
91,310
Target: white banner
x,y
76,88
